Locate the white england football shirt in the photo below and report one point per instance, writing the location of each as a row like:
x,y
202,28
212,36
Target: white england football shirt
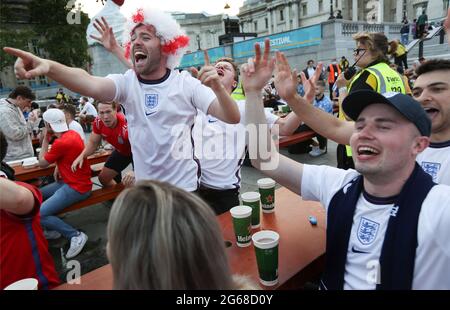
x,y
432,264
221,147
160,116
435,160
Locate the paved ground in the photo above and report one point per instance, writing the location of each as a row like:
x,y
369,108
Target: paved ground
x,y
93,220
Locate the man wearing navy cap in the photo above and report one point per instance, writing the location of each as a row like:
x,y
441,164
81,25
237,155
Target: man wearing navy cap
x,y
387,222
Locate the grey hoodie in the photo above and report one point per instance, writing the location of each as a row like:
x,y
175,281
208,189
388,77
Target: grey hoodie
x,y
16,130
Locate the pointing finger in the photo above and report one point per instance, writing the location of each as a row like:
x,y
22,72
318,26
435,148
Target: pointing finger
x,y
205,53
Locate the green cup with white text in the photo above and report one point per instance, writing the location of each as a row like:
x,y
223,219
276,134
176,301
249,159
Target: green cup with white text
x,y
242,224
251,199
267,191
266,250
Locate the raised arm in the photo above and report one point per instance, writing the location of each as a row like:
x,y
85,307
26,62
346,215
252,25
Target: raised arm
x,y
321,122
28,66
224,107
109,42
263,153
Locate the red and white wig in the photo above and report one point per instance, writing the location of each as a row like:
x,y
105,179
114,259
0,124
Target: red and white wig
x,y
174,41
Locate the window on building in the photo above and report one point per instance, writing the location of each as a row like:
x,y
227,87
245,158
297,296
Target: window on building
x,y
281,15
304,9
337,3
419,7
266,20
255,25
320,6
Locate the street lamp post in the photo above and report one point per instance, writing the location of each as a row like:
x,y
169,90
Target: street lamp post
x,y
331,10
227,21
198,41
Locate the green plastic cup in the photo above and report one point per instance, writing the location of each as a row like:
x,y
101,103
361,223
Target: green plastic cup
x,y
266,250
285,108
242,223
267,191
251,199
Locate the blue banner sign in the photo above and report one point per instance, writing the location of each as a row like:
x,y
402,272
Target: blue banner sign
x,y
197,58
303,37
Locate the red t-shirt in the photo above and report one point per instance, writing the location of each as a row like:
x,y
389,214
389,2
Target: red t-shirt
x,y
64,151
24,249
117,136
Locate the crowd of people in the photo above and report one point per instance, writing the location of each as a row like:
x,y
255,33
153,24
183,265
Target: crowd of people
x,y
393,174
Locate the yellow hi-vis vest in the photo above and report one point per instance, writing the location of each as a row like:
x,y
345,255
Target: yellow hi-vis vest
x,y
238,93
388,80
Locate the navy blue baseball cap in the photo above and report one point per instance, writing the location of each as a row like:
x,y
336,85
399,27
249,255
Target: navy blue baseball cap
x,y
358,100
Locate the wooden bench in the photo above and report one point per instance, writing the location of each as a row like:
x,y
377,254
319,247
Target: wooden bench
x,y
296,138
97,196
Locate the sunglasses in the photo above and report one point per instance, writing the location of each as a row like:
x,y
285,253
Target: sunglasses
x,y
357,50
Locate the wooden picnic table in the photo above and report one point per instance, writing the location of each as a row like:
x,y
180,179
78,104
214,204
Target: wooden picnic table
x,y
301,247
296,138
25,174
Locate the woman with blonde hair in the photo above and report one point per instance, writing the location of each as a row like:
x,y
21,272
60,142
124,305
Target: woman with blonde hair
x,y
399,52
162,237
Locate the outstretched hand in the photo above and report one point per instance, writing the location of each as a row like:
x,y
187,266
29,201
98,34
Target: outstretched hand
x,y
107,38
286,80
27,65
257,72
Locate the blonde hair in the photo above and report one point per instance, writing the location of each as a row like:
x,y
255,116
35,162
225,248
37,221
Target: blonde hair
x,y
162,237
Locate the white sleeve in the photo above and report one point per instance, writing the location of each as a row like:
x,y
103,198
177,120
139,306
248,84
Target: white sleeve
x,y
120,80
202,96
321,183
438,216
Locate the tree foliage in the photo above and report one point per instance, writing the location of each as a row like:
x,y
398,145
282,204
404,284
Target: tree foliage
x,y
47,24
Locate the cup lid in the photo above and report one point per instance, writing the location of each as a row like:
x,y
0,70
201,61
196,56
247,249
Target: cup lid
x,y
241,211
250,196
266,183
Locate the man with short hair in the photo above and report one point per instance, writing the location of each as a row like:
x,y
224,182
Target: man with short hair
x,y
71,188
310,69
421,23
87,114
111,126
13,124
221,147
155,96
387,222
70,112
431,89
323,103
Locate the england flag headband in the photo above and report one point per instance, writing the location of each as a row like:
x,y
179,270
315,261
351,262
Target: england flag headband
x,y
173,39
